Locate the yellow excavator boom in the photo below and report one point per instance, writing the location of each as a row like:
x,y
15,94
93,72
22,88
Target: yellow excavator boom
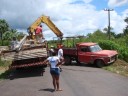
x,y
48,22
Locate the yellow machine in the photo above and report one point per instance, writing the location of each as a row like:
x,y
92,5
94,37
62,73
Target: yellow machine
x,y
48,22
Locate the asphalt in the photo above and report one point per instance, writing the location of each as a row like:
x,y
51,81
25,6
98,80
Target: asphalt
x,y
74,80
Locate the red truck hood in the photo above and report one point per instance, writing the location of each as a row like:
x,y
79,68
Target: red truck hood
x,y
107,52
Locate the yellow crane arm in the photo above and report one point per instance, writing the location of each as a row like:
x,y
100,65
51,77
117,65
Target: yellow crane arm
x,y
48,22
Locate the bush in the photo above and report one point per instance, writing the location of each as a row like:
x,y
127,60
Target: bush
x,y
111,45
5,43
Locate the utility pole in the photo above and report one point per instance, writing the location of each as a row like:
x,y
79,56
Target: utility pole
x,y
109,21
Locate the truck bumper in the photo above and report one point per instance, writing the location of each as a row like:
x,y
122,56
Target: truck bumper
x,y
113,59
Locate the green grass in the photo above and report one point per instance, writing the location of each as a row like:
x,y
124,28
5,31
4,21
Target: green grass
x,y
4,72
5,63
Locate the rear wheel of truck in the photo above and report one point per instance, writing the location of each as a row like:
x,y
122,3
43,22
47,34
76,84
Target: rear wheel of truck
x,y
100,63
78,62
67,60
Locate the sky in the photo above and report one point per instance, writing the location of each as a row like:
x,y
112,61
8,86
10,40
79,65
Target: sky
x,y
72,17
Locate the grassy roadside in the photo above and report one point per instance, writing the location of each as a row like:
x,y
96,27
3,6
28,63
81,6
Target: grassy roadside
x,y
4,72
119,67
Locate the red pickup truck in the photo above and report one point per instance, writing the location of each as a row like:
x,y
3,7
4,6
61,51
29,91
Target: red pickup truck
x,y
89,53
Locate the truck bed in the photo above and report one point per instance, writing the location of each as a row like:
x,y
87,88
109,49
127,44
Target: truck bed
x,y
70,51
28,57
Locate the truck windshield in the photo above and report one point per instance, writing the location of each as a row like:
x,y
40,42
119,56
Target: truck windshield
x,y
95,48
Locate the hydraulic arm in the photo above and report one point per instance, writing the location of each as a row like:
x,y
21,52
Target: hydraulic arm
x,y
48,22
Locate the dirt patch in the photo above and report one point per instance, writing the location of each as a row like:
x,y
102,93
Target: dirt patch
x,y
119,67
120,62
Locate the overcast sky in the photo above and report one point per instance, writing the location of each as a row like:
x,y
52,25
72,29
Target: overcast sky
x,y
72,17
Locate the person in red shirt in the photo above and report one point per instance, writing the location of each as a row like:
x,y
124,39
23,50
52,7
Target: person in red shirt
x,y
38,34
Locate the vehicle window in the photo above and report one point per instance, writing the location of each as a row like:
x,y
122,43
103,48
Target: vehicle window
x,y
95,48
85,49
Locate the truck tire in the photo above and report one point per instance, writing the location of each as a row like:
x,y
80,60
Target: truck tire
x,y
78,62
100,63
67,60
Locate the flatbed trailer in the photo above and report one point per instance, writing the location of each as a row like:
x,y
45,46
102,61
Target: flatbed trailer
x,y
26,58
29,57
32,56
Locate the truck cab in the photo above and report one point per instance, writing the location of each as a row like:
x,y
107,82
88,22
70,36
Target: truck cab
x,y
90,53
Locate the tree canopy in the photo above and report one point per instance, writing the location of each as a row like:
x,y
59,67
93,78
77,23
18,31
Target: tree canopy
x,y
126,28
6,33
4,26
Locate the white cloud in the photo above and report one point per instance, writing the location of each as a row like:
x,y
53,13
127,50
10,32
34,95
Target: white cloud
x,y
71,18
117,25
116,3
125,13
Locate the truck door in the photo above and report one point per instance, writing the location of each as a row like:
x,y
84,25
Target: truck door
x,y
84,54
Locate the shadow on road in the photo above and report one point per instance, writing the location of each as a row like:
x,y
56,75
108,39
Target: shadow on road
x,y
81,65
47,89
23,73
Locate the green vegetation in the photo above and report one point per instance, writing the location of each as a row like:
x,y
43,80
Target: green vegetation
x,y
4,72
4,63
6,33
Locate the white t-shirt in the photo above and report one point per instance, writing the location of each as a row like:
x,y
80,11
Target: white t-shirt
x,y
60,53
53,61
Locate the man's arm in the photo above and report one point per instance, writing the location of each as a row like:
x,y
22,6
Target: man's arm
x,y
59,63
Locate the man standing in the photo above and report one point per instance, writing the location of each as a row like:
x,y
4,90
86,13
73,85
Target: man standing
x,y
14,43
60,55
38,34
51,50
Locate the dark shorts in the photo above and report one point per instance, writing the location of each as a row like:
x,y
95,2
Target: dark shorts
x,y
55,71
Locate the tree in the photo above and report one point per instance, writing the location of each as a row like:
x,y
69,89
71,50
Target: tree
x,y
126,28
119,35
126,20
97,35
4,26
106,30
8,35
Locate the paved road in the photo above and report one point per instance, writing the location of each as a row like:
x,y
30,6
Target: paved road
x,y
74,80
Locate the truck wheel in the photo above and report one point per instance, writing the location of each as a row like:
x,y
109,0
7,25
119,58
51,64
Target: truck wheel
x,y
78,62
11,76
67,60
100,63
